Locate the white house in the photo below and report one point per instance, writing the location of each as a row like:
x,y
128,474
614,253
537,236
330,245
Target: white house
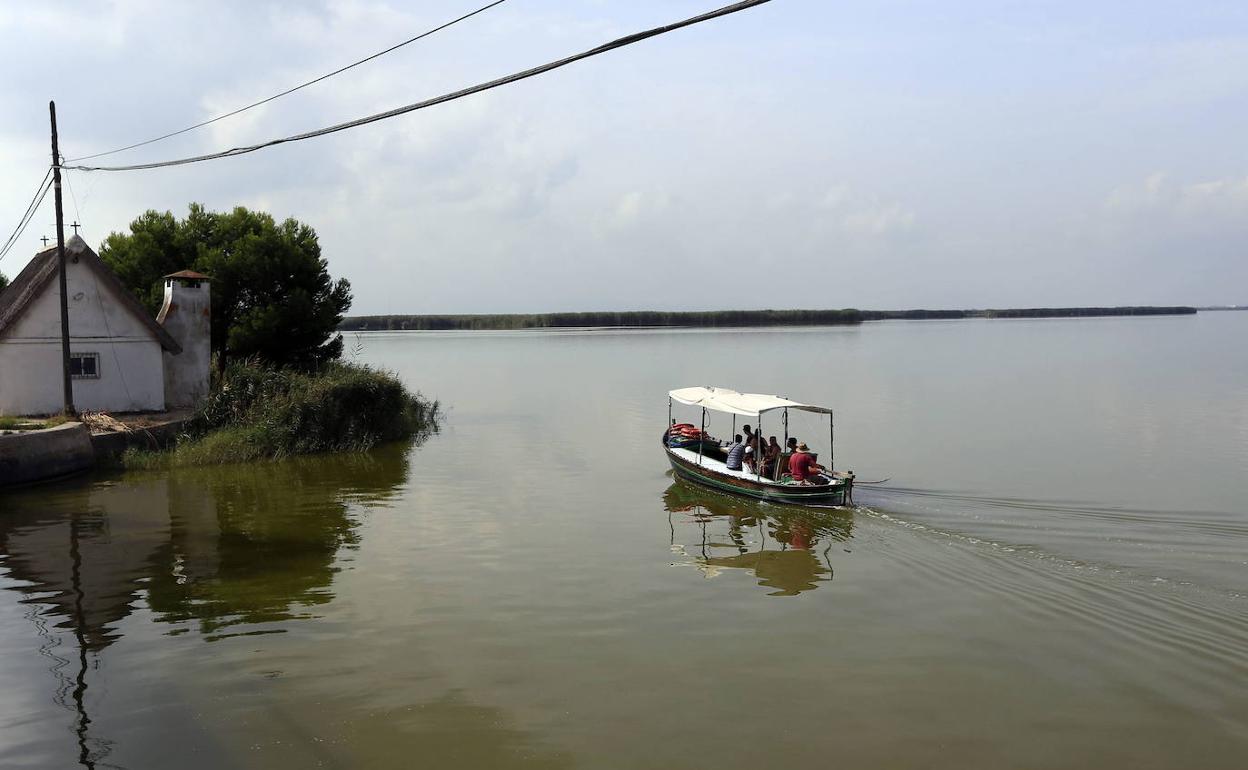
x,y
121,359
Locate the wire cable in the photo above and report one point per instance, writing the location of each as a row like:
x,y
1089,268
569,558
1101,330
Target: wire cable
x,y
44,186
486,86
70,186
32,203
17,234
314,81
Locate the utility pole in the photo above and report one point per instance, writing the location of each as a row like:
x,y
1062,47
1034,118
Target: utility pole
x,y
60,256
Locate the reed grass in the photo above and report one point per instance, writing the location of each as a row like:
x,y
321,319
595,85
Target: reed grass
x,y
258,412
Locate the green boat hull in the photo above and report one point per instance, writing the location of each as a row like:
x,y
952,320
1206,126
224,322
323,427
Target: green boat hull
x,y
839,492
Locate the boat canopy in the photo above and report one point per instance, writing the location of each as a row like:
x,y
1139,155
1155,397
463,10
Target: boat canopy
x,y
746,404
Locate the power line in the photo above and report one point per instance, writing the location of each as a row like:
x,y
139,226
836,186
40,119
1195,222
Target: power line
x,y
30,213
70,186
33,204
544,68
22,227
314,81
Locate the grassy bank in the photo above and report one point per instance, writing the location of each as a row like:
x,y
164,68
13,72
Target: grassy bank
x,y
257,412
8,423
722,318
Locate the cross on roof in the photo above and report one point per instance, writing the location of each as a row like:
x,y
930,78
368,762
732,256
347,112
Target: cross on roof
x,y
75,225
45,240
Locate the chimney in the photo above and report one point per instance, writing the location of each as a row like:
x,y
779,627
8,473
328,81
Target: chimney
x,y
187,316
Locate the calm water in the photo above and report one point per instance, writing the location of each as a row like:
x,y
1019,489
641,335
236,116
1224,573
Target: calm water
x,y
1056,574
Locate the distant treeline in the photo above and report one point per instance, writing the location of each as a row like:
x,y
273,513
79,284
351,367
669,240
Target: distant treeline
x,y
719,318
1081,312
915,315
629,318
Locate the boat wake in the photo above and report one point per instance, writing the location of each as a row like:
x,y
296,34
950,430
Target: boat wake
x,y
1040,541
1203,520
1187,625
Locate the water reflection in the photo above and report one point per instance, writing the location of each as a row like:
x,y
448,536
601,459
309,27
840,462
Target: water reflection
x,y
221,547
226,551
786,547
247,548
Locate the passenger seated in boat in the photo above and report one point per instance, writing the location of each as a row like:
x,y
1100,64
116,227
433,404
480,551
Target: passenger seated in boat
x,y
755,452
770,457
735,452
804,469
782,464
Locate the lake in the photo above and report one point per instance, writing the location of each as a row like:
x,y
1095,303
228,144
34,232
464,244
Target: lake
x,y
1055,573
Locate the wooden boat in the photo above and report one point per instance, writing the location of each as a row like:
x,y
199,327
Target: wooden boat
x,y
697,458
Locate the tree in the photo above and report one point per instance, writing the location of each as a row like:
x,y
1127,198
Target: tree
x,y
3,281
272,295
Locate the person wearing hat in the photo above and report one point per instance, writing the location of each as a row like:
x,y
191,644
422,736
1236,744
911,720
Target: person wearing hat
x,y
804,469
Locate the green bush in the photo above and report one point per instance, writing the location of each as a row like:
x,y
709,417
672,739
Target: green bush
x,y
258,412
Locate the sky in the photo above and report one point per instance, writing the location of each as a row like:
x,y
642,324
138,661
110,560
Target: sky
x,y
802,154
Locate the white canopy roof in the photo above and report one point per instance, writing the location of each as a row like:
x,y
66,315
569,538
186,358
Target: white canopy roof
x,y
747,404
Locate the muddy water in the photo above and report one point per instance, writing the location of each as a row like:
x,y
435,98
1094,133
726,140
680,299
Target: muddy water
x,y
1056,574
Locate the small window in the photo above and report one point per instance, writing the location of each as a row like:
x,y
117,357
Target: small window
x,y
84,366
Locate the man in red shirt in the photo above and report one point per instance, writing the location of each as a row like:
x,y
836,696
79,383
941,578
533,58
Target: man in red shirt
x,y
804,469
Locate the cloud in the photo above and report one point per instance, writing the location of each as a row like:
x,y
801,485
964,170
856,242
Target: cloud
x,y
860,214
638,208
961,169
1160,195
71,24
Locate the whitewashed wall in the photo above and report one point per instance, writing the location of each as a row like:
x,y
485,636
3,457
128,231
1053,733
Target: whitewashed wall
x,y
187,316
131,372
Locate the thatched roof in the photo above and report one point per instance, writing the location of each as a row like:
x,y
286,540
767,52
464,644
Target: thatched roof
x,y
42,270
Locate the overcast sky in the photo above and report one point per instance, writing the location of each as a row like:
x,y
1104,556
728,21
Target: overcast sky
x,y
801,154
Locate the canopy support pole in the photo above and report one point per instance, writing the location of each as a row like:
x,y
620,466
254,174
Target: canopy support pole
x,y
669,412
702,438
758,451
831,445
734,426
786,429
